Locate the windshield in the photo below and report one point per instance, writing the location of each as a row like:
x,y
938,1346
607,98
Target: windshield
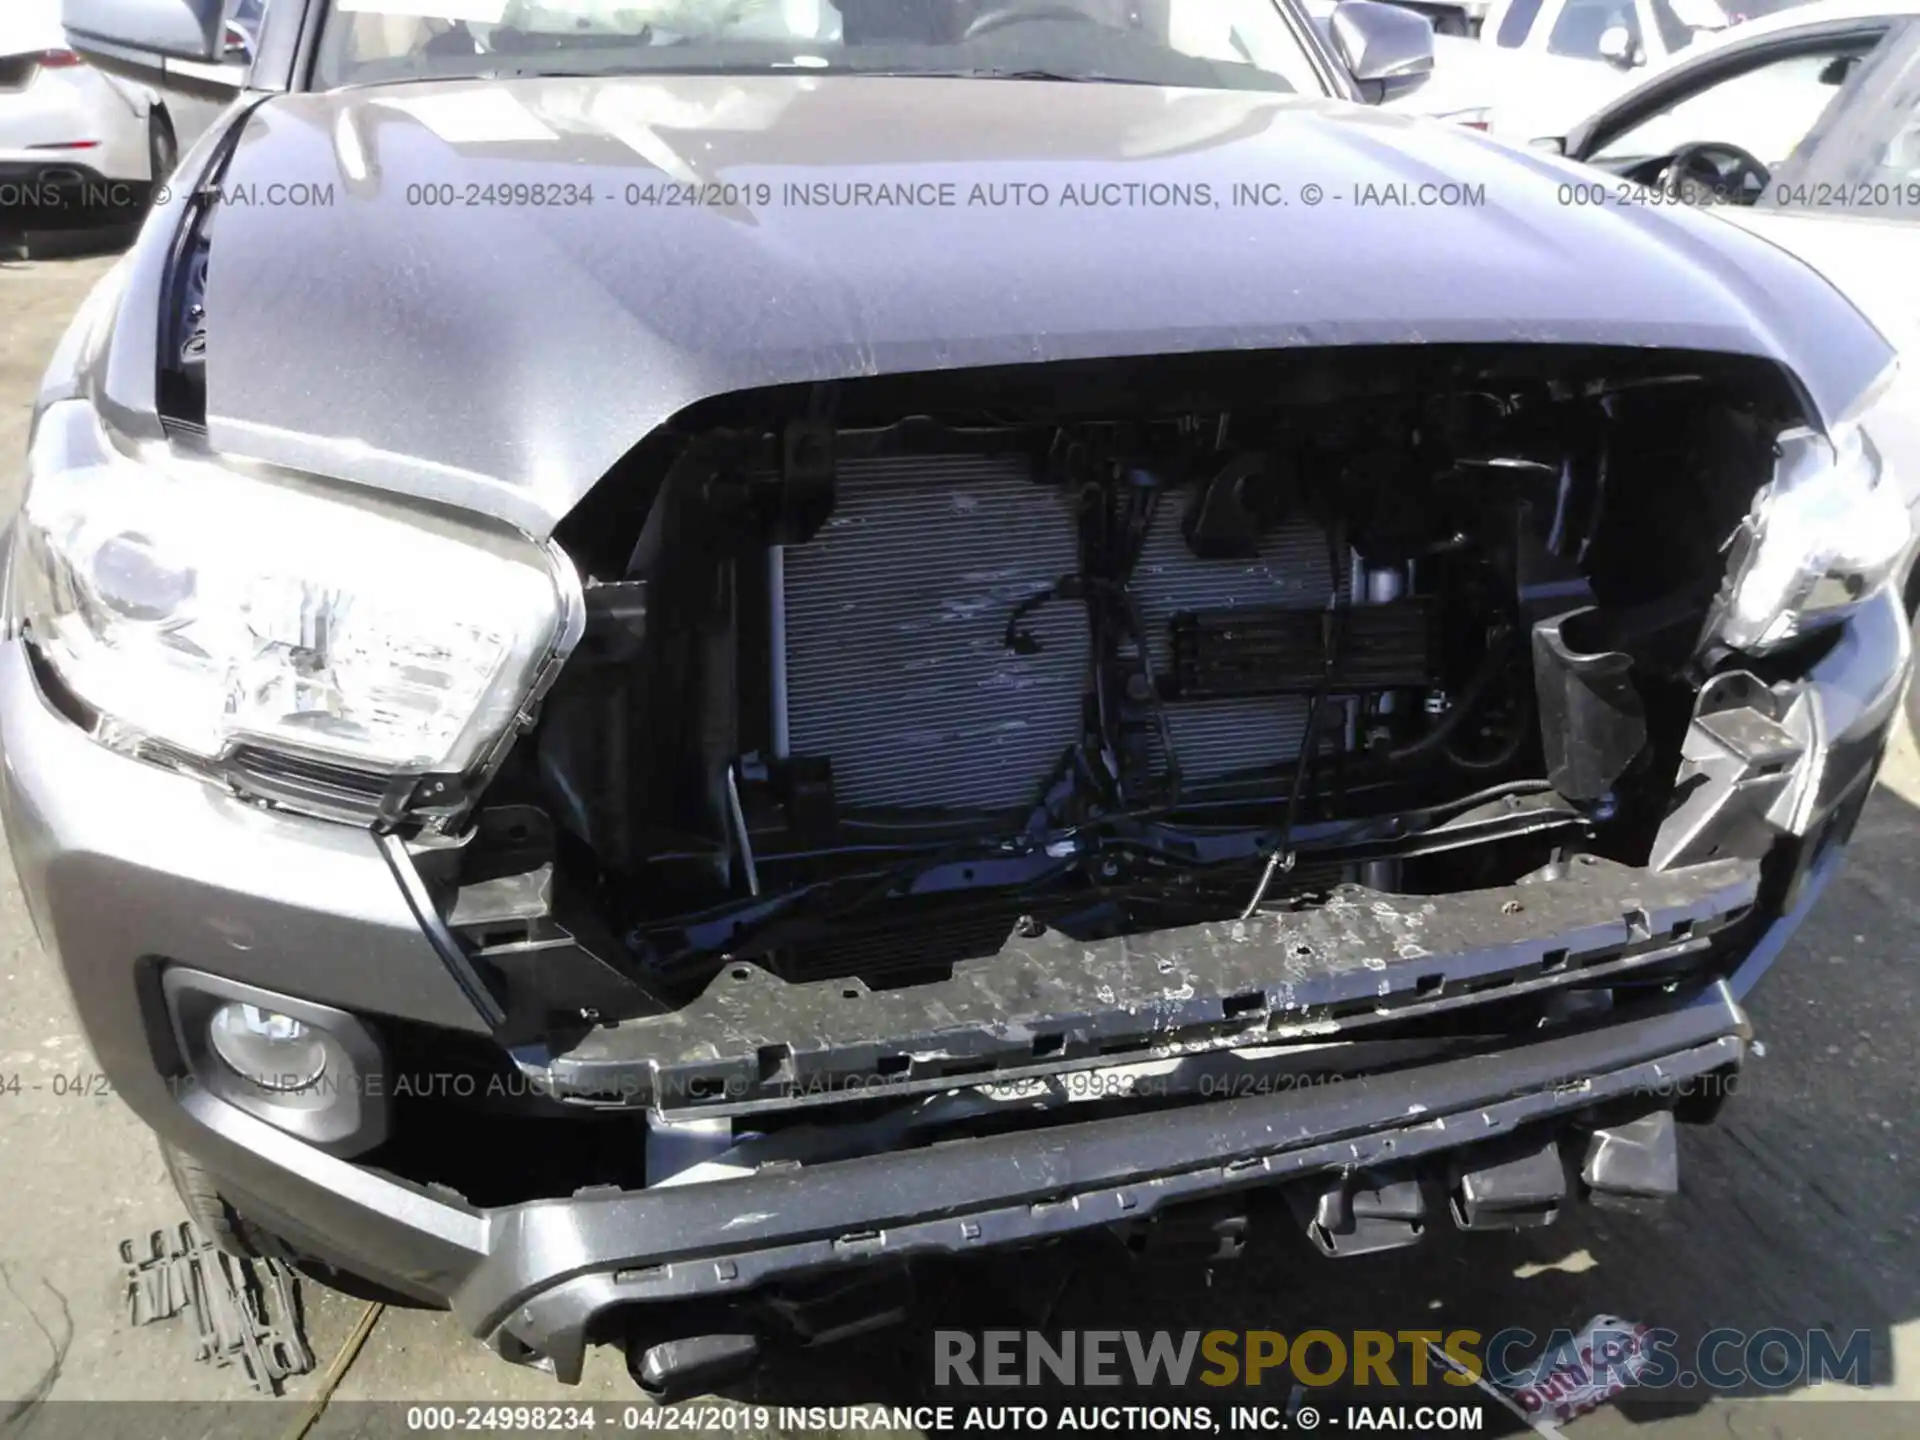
x,y
1863,158
1235,44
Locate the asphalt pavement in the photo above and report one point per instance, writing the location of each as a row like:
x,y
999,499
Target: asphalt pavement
x,y
1800,1209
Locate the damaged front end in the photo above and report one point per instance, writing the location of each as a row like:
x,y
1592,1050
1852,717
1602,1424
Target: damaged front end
x,y
1024,757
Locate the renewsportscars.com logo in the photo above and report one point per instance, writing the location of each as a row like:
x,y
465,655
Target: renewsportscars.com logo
x,y
1516,1359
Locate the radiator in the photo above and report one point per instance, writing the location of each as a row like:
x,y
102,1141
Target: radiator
x,y
1215,738
894,615
889,629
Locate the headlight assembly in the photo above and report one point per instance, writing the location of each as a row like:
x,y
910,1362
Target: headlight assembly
x,y
198,610
1826,533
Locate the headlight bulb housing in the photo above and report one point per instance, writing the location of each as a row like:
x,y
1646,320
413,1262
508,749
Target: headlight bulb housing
x,y
1827,532
203,611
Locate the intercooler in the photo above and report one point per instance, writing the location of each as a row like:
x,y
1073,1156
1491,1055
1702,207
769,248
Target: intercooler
x,y
1216,737
889,634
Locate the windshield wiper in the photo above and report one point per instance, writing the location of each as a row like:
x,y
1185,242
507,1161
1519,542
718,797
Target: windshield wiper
x,y
538,72
1083,77
542,72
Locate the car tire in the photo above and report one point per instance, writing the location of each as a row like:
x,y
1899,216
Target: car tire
x,y
1910,601
163,150
1913,691
209,1210
214,1216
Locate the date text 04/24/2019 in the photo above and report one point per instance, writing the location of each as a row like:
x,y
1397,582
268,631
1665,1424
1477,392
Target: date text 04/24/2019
x,y
945,1419
711,1419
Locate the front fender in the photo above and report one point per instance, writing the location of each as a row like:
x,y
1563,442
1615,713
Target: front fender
x,y
83,345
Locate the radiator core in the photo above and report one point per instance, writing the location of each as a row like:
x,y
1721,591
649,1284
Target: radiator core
x,y
889,635
894,618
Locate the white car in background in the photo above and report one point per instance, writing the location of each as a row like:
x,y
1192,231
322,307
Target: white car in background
x,y
1539,65
71,138
79,146
1532,67
1803,127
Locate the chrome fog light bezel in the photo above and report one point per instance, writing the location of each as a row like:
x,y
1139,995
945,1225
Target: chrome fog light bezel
x,y
343,1110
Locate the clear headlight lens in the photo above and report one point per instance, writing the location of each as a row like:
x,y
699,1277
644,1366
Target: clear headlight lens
x,y
203,608
1828,532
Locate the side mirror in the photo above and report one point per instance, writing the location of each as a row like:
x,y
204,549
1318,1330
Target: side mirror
x,y
1551,144
238,46
1617,48
184,29
168,44
1386,49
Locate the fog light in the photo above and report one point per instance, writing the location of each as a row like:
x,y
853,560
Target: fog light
x,y
274,1051
315,1072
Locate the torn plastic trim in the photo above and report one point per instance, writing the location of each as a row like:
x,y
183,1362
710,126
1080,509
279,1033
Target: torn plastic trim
x,y
1838,711
1051,1003
1749,765
1811,885
452,954
755,924
1593,721
622,1248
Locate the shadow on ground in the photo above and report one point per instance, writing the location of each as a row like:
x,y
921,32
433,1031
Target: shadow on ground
x,y
20,242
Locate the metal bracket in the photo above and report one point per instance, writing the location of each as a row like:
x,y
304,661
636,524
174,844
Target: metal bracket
x,y
244,1311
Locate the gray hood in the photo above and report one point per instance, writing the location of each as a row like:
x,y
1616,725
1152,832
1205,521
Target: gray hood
x,y
502,354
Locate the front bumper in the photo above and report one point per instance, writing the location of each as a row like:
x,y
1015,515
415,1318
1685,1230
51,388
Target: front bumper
x,y
129,869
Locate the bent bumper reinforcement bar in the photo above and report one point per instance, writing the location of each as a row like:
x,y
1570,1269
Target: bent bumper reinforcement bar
x,y
1052,1003
553,1266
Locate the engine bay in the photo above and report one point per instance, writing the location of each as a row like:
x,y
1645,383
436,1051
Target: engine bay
x,y
880,677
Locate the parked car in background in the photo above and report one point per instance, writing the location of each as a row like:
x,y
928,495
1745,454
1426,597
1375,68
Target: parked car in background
x,y
243,27
1536,66
75,144
1741,11
1803,127
1458,18
1541,64
81,147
